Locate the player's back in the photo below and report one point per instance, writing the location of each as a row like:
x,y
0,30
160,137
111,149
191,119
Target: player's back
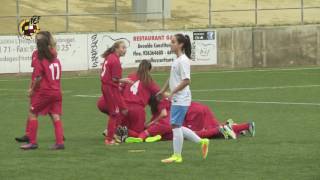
x,y
138,92
200,116
50,72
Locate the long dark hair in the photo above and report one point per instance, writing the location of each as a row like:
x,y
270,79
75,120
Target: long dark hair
x,y
153,103
185,40
143,72
44,42
112,49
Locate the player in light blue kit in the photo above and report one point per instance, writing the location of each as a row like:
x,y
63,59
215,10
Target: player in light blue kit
x,y
178,83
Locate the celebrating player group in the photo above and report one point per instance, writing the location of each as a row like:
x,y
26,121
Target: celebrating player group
x,y
124,100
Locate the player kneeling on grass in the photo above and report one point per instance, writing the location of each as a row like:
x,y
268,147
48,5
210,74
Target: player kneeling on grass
x,y
159,127
45,91
179,82
136,96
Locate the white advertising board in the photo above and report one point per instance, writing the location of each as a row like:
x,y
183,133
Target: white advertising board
x,y
83,51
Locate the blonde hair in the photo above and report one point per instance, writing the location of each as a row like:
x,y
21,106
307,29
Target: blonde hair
x,y
143,72
112,49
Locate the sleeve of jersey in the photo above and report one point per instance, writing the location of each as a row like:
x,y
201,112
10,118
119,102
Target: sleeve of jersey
x,y
33,59
38,69
184,69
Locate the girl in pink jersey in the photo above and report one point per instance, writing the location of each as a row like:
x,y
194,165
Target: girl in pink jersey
x,y
111,77
45,91
137,96
34,61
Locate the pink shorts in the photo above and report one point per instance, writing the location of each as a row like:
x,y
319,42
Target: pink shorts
x,y
34,98
113,100
102,106
43,103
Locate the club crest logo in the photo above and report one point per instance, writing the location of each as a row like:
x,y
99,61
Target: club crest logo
x,y
28,28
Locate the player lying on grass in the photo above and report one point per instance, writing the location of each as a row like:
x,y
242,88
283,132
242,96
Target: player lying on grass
x,y
136,96
111,77
199,118
45,92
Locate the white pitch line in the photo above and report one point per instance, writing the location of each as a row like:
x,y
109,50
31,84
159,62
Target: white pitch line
x,y
66,78
26,90
230,101
208,90
205,72
259,102
234,89
85,96
257,70
248,70
16,90
256,88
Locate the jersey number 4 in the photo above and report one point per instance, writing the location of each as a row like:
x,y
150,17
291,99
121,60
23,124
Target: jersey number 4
x,y
55,71
134,87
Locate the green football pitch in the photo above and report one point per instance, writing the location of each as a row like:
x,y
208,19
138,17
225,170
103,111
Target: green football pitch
x,y
284,103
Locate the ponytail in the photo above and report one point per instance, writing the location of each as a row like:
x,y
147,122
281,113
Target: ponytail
x,y
187,46
185,40
143,72
153,103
